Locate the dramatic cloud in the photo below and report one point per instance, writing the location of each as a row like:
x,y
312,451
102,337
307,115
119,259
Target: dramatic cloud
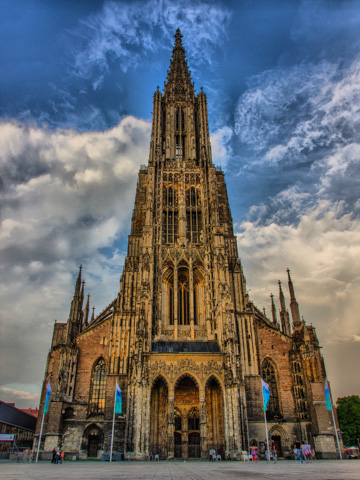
x,y
67,200
118,30
323,253
300,126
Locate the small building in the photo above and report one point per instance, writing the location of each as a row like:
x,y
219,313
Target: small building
x,y
14,421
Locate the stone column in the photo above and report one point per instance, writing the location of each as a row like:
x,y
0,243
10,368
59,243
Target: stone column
x,y
203,429
175,303
171,428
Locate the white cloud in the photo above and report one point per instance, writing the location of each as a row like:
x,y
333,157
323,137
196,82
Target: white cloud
x,y
220,144
288,113
67,198
323,254
21,398
116,32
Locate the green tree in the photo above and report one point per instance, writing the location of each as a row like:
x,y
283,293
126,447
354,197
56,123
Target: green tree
x,y
348,412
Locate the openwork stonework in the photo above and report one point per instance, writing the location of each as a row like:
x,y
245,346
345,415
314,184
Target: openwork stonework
x,y
182,338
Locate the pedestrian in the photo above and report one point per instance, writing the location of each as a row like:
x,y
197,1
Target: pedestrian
x,y
254,453
274,456
304,452
57,456
313,454
151,456
297,451
53,456
62,455
267,452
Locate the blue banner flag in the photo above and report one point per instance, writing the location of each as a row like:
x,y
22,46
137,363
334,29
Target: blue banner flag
x,y
266,393
118,399
47,398
327,397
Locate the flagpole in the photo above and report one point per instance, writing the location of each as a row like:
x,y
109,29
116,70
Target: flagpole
x,y
329,406
337,438
39,441
265,388
112,431
267,438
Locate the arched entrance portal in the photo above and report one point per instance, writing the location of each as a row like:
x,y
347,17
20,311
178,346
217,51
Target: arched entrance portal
x,y
187,418
215,416
92,440
159,418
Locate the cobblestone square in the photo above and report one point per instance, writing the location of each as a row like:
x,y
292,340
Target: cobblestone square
x,y
194,470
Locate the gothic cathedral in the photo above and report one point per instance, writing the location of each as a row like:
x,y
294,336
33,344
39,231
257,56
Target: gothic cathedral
x,y
182,339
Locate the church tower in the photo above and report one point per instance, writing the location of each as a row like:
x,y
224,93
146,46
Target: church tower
x,y
176,330
182,339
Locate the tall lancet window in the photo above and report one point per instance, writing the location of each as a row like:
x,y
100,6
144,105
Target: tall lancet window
x,y
170,209
168,294
193,208
98,388
183,296
269,376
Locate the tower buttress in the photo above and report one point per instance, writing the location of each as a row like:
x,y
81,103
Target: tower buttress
x,y
284,314
294,306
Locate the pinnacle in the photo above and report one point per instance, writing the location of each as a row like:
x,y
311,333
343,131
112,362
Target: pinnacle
x,y
178,82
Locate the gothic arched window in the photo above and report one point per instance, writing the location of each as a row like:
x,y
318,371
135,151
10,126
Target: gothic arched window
x,y
194,419
98,388
269,376
183,296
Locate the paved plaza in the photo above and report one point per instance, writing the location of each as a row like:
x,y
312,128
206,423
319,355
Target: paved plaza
x,y
194,470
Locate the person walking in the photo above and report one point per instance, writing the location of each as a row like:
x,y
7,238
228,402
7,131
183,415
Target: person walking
x,y
254,453
298,451
53,456
57,456
62,455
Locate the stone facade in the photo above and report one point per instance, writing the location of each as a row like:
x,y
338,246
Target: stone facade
x,y
182,339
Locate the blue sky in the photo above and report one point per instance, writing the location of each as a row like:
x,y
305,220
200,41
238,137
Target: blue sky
x,y
283,86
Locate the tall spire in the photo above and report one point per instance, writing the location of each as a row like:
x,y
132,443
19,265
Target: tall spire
x,y
294,306
76,309
75,304
178,83
273,312
78,283
87,311
284,314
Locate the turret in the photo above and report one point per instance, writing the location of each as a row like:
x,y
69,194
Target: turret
x,y
273,312
76,310
284,314
294,306
86,312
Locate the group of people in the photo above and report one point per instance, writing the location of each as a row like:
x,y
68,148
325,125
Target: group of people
x,y
154,456
303,452
212,455
264,452
57,456
25,456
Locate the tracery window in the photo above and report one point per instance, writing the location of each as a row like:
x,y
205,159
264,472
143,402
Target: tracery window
x,y
194,419
193,208
183,296
269,376
170,209
98,388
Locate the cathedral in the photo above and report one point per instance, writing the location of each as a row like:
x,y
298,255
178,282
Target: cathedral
x,y
182,339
